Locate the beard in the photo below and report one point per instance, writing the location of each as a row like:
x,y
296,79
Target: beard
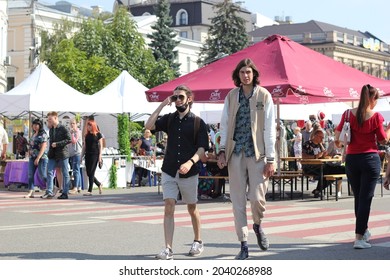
x,y
182,108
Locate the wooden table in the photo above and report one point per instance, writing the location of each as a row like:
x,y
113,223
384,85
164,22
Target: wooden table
x,y
321,162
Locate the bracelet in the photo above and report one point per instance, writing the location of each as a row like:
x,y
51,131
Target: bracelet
x,y
193,162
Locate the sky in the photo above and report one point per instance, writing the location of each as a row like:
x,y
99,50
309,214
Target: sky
x,y
359,15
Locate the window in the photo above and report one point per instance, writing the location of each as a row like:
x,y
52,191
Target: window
x,y
10,83
182,17
183,34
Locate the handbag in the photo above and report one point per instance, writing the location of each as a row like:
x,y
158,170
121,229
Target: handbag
x,y
345,134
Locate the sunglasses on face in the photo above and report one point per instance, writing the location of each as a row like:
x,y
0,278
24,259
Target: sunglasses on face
x,y
174,98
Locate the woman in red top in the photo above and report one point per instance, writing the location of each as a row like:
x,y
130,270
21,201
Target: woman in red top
x,y
362,162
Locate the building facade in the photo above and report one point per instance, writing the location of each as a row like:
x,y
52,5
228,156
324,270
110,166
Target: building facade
x,y
360,50
192,18
4,60
27,19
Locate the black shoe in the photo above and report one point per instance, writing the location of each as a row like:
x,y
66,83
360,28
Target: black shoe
x,y
243,254
63,196
262,239
316,193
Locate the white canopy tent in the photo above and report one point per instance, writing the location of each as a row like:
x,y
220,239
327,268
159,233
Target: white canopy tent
x,y
123,95
43,91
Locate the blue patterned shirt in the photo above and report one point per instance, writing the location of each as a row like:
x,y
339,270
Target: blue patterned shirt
x,y
243,131
36,142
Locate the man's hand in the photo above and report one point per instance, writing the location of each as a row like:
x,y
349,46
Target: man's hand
x,y
185,167
269,170
221,160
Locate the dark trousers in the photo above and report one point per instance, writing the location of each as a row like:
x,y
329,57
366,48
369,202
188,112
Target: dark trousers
x,y
363,171
91,161
326,169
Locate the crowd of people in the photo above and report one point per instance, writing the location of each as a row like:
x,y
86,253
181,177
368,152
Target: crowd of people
x,y
56,153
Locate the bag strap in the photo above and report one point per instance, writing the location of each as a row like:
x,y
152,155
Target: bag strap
x,y
348,113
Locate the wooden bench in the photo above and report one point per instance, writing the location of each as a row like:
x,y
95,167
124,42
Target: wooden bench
x,y
334,178
216,177
284,178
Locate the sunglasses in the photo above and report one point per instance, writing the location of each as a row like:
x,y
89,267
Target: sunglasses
x,y
174,98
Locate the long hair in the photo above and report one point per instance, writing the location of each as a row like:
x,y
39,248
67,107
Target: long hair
x,y
367,93
188,92
247,62
94,129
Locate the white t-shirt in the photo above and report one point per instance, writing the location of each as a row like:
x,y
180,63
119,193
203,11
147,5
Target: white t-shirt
x,y
3,138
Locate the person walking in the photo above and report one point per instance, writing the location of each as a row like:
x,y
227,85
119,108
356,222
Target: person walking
x,y
187,143
74,149
92,150
59,138
362,160
247,146
38,155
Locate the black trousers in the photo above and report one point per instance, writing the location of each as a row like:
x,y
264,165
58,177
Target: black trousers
x,y
91,162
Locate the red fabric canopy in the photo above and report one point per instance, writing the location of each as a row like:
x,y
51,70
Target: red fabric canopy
x,y
288,70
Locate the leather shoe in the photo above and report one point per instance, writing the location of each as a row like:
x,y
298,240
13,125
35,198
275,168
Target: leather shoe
x,y
242,255
63,196
262,239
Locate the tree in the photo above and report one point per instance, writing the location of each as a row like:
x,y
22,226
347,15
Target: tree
x,y
100,51
73,67
163,40
226,35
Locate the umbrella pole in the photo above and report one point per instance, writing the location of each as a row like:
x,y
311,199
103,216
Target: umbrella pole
x,y
278,134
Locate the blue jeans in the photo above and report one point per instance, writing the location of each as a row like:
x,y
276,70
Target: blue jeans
x,y
363,172
75,164
42,171
51,167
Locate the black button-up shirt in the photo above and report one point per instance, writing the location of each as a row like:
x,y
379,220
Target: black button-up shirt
x,y
180,144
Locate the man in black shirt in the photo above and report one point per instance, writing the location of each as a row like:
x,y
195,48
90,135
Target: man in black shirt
x,y
59,138
186,145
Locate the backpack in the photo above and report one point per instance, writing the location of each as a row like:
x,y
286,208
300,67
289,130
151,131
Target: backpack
x,y
205,186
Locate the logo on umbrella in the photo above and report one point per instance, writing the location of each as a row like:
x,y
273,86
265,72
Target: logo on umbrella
x,y
215,95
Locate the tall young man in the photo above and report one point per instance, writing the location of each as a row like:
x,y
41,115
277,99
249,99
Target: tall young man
x,y
247,146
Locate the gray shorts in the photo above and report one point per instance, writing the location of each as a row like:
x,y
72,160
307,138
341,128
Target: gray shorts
x,y
188,187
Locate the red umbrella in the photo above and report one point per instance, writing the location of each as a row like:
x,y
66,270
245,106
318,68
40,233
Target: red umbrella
x,y
293,73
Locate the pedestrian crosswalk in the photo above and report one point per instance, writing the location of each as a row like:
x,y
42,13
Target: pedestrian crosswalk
x,y
311,222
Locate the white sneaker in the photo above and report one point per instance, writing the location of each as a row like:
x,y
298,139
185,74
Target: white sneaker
x,y
196,249
361,244
165,254
338,194
367,235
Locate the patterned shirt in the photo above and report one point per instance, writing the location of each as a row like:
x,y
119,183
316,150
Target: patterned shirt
x,y
35,144
243,135
312,149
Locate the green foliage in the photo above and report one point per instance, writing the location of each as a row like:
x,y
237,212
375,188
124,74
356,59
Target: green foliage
x,y
163,37
113,184
226,35
72,66
123,135
135,130
100,51
61,31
